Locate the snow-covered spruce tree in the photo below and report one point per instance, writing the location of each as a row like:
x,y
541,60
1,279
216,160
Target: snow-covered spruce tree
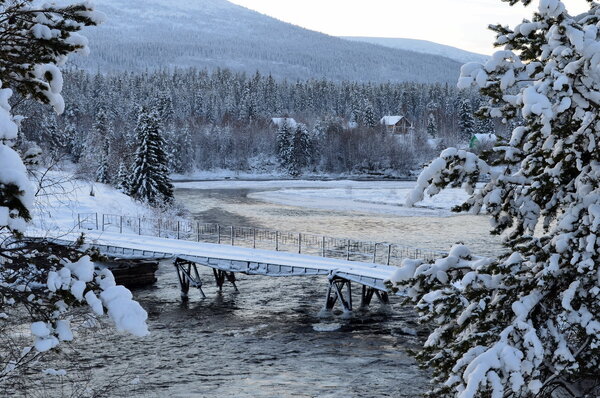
x,y
284,143
93,144
150,181
179,150
164,106
301,150
35,279
185,154
466,122
101,130
527,323
122,181
51,134
432,129
69,134
369,118
102,173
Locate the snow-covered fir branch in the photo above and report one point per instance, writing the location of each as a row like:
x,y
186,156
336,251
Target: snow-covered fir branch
x,y
527,323
37,280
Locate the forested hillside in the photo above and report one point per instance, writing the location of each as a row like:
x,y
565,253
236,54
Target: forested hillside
x,y
152,34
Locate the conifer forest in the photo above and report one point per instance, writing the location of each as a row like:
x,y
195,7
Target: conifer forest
x,y
223,120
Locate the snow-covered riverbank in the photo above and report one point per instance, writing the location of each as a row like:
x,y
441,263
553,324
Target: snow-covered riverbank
x,y
275,175
385,197
63,197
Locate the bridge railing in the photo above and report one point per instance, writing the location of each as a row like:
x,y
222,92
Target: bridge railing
x,y
258,238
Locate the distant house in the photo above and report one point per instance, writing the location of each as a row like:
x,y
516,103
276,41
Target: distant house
x,y
280,121
479,140
396,124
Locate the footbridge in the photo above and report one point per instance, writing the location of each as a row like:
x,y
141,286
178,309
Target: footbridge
x,y
229,250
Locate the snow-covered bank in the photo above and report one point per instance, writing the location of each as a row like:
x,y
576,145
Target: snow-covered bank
x,y
224,174
63,197
286,183
369,200
384,197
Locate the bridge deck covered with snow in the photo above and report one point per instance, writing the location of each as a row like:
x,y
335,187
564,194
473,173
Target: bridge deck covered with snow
x,y
227,259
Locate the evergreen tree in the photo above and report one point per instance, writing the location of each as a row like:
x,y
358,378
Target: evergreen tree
x,y
164,106
72,146
526,323
179,150
186,152
102,173
353,122
150,182
432,126
51,134
284,142
466,122
357,117
172,149
432,105
96,140
369,118
484,125
28,65
122,181
300,151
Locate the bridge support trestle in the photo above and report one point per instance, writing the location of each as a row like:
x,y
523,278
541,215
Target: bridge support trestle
x,y
368,293
187,273
335,291
221,276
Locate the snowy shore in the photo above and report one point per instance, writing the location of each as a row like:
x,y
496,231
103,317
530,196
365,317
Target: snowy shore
x,y
371,196
224,174
63,197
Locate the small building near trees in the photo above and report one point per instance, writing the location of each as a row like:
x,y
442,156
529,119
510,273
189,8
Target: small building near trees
x,y
396,124
482,140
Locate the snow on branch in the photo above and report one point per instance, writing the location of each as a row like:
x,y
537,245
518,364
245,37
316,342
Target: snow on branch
x,y
527,322
454,168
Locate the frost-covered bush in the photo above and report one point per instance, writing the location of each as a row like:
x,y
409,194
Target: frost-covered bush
x,y
36,279
525,324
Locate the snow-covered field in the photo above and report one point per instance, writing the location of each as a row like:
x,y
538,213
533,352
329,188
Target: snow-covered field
x,y
387,197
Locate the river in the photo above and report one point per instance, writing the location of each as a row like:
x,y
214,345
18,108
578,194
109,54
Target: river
x,y
267,340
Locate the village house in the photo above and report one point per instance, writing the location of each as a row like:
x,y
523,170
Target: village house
x,y
396,124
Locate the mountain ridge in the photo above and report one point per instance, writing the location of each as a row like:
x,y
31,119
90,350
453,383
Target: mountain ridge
x,y
422,46
155,34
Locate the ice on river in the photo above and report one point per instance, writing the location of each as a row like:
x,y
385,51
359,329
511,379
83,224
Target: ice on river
x,y
326,327
371,200
387,197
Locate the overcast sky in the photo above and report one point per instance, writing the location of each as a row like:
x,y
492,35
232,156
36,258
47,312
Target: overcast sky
x,y
459,23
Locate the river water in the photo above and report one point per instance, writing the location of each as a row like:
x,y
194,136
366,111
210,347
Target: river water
x,y
267,340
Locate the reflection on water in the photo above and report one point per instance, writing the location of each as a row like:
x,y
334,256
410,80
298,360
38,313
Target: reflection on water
x,y
267,341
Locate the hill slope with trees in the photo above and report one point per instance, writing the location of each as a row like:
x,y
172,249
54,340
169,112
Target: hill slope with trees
x,y
153,34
